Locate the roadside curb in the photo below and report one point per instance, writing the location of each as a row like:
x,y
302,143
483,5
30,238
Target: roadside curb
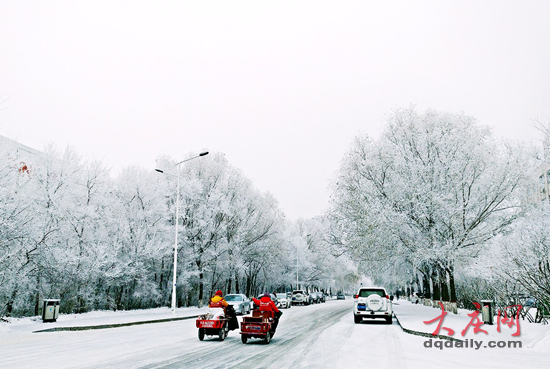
x,y
116,325
424,334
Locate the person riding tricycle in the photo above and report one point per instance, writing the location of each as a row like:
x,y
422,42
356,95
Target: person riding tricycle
x,y
263,322
218,320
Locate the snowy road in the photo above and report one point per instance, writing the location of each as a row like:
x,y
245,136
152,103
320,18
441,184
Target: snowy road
x,y
307,335
297,334
317,336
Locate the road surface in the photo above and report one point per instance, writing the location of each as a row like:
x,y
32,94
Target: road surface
x,y
321,335
317,336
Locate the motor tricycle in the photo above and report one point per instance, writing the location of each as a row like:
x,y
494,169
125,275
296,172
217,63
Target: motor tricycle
x,y
213,323
260,325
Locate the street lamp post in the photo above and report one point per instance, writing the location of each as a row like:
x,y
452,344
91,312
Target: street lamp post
x,y
307,243
297,286
177,222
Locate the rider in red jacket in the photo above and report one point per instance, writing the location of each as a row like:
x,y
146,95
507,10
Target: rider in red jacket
x,y
266,304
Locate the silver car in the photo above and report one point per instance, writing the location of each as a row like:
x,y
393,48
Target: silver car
x,y
240,303
283,300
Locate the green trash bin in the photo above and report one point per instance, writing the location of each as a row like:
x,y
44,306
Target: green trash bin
x,y
50,310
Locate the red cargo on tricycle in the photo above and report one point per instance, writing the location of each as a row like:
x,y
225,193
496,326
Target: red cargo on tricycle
x,y
259,325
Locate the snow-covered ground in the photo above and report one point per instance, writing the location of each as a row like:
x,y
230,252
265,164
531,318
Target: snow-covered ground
x,y
317,336
413,316
94,318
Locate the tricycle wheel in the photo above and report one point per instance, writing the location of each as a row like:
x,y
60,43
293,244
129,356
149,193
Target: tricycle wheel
x,y
267,337
244,338
222,334
201,334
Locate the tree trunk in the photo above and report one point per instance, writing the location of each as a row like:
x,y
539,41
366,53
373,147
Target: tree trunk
x,y
426,286
444,285
237,287
161,279
37,297
436,287
453,305
248,285
452,283
118,299
229,284
416,283
9,304
201,288
198,262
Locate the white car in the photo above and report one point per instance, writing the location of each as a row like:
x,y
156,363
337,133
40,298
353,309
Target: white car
x,y
240,303
283,300
372,302
300,297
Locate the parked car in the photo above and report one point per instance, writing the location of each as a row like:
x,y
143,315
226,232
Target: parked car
x,y
340,296
283,301
300,297
322,297
311,299
372,302
240,303
316,297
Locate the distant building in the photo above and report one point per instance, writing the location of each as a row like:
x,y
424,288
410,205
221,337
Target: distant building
x,y
22,156
543,174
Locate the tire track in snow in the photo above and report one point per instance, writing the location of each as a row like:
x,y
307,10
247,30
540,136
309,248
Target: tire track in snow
x,y
394,347
301,342
232,353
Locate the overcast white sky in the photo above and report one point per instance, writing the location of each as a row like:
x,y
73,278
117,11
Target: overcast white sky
x,y
280,87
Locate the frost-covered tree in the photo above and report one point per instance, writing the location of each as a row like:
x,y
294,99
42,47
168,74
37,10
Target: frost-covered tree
x,y
70,231
71,215
522,258
256,245
225,225
429,193
324,270
135,273
16,219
